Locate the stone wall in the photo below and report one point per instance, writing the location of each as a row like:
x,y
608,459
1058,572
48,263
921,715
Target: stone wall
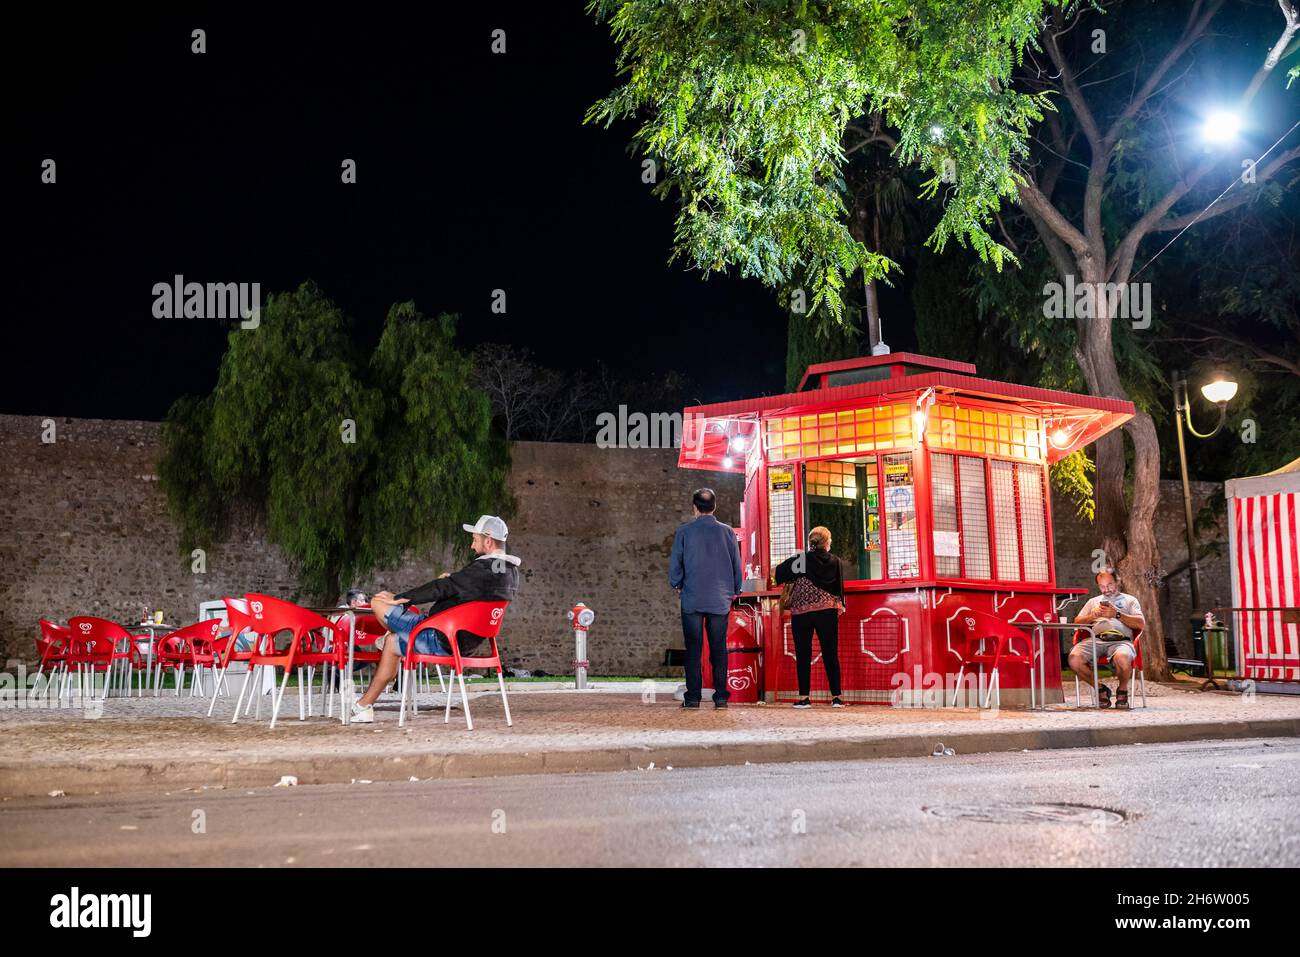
x,y
84,530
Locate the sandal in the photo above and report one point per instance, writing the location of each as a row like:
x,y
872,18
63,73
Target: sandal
x,y
1121,698
1103,695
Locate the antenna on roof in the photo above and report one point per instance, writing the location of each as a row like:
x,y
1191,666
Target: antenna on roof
x,y
878,347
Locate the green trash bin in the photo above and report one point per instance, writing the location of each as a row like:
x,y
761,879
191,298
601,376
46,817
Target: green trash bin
x,y
1220,648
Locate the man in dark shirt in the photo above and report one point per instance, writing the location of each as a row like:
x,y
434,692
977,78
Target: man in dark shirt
x,y
704,568
491,576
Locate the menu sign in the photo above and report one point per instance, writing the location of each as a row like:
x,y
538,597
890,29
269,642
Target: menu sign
x,y
898,473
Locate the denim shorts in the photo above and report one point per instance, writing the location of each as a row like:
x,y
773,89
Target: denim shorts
x,y
430,641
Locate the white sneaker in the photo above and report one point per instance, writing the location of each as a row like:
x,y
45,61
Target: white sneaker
x,y
362,715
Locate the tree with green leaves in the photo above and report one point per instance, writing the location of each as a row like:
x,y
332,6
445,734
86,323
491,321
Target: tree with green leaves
x,y
744,109
350,461
744,106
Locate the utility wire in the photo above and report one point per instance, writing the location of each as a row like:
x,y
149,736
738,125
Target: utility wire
x,y
1234,182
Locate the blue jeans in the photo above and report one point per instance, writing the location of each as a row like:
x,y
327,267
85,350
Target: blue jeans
x,y
430,641
694,626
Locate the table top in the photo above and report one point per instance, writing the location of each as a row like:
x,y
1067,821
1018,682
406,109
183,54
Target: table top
x,y
1056,625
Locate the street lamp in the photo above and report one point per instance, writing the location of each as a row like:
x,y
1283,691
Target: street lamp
x,y
1221,126
1219,390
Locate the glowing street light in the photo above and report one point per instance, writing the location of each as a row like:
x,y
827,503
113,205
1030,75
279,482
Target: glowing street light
x,y
1221,126
1220,389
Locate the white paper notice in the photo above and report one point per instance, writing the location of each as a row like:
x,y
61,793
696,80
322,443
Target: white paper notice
x,y
947,544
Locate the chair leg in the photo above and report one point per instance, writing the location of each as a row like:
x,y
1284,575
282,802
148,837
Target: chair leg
x,y
446,711
442,685
505,702
218,676
255,691
464,698
244,686
302,714
957,687
401,715
275,712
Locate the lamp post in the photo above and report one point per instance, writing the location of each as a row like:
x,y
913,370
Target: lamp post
x,y
1219,390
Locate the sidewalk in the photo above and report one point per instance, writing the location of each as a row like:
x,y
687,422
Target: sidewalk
x,y
168,743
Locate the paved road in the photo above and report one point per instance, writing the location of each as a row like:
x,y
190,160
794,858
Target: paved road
x,y
1200,804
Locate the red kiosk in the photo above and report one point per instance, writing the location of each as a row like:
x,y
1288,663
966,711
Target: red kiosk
x,y
933,483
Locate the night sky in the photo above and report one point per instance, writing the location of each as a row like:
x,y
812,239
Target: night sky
x,y
474,173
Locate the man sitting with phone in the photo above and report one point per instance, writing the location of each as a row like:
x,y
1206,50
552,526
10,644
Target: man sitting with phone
x,y
1114,617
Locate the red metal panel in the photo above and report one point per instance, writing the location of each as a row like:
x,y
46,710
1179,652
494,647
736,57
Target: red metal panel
x,y
892,358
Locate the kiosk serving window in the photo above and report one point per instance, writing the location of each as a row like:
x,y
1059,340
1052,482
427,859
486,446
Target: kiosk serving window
x,y
869,504
844,496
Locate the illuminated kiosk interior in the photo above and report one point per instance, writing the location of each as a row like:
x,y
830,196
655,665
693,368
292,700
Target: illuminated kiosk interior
x,y
933,483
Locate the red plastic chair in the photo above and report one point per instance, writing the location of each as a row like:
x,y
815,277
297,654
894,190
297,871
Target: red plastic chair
x,y
99,645
991,642
187,649
1103,661
272,617
52,650
482,618
238,622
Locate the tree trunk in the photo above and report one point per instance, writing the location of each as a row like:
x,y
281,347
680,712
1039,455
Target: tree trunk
x,y
1126,531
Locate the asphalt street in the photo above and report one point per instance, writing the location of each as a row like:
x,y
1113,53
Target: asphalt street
x,y
1221,803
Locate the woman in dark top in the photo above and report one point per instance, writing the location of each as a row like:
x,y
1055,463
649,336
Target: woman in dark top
x,y
816,601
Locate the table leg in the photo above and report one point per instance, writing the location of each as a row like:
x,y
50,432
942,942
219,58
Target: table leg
x,y
149,669
1042,667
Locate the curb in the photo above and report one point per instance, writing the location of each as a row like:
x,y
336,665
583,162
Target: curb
x,y
73,778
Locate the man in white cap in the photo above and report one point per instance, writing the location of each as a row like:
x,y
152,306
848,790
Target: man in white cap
x,y
491,576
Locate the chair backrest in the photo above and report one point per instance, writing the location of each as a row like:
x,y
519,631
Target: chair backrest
x,y
198,637
272,615
240,621
237,616
368,628
53,641
97,637
482,618
978,626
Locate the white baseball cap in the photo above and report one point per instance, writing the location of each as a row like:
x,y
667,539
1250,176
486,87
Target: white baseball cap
x,y
489,525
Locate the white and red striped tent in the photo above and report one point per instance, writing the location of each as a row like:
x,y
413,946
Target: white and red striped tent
x,y
1264,545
